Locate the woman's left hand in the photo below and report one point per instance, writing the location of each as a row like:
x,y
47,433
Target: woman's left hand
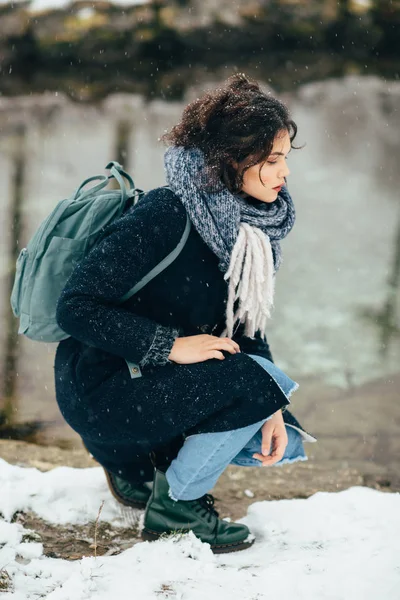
x,y
273,433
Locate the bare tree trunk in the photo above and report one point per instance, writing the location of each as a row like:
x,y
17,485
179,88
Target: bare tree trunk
x,y
9,400
390,326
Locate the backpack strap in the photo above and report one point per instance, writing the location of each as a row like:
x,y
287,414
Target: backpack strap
x,y
134,368
161,266
79,195
116,172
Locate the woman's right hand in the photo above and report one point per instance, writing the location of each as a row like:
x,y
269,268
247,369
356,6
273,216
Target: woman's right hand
x,y
198,348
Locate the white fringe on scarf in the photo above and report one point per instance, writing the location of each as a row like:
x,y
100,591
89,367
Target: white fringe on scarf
x,y
251,282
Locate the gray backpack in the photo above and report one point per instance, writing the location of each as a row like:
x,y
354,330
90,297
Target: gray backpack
x,y
64,238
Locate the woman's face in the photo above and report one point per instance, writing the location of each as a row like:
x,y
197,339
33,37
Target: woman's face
x,y
272,173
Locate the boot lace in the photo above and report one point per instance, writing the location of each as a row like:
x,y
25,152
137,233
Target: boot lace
x,y
205,507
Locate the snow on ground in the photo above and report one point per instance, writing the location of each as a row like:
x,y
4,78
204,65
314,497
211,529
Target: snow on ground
x,y
328,547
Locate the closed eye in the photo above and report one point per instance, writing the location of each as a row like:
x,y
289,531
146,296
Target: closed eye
x,y
273,162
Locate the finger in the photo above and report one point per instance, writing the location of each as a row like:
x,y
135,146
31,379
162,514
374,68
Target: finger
x,y
268,461
271,460
216,354
224,346
278,450
259,457
275,454
234,344
279,443
228,341
266,441
232,349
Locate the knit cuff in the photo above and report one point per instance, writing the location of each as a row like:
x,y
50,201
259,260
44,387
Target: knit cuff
x,y
161,347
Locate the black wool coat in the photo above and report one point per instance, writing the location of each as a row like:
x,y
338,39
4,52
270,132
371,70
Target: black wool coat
x,y
119,416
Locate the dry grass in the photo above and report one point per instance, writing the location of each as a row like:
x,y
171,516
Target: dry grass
x,y
96,528
5,581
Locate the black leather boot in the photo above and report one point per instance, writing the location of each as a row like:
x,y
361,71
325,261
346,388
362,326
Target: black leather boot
x,y
134,495
166,516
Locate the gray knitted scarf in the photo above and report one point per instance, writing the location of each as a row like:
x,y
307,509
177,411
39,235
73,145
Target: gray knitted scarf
x,y
244,236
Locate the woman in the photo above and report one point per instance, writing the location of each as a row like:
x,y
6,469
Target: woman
x,y
204,392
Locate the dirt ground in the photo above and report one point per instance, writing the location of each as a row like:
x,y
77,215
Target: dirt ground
x,y
234,492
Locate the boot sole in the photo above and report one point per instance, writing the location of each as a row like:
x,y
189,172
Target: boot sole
x,y
153,536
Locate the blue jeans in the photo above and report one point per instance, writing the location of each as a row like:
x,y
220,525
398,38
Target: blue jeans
x,y
204,457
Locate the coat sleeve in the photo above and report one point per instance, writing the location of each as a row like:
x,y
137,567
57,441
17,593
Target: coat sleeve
x,y
88,306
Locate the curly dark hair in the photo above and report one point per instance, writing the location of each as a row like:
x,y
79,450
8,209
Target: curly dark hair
x,y
233,125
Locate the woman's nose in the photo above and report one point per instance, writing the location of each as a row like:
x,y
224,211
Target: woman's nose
x,y
285,171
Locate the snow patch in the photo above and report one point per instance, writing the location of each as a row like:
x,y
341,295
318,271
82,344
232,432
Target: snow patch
x,y
61,496
329,546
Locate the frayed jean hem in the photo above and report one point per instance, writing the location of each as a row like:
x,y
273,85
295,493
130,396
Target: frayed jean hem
x,y
170,494
257,463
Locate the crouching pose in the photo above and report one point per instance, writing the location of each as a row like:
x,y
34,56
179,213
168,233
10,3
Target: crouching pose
x,y
177,382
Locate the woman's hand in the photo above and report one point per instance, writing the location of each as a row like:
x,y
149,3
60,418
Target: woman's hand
x,y
198,348
273,432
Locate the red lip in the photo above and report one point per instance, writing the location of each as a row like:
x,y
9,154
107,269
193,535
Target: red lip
x,y
278,188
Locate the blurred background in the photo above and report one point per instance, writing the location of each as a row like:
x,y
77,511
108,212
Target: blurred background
x,y
83,83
